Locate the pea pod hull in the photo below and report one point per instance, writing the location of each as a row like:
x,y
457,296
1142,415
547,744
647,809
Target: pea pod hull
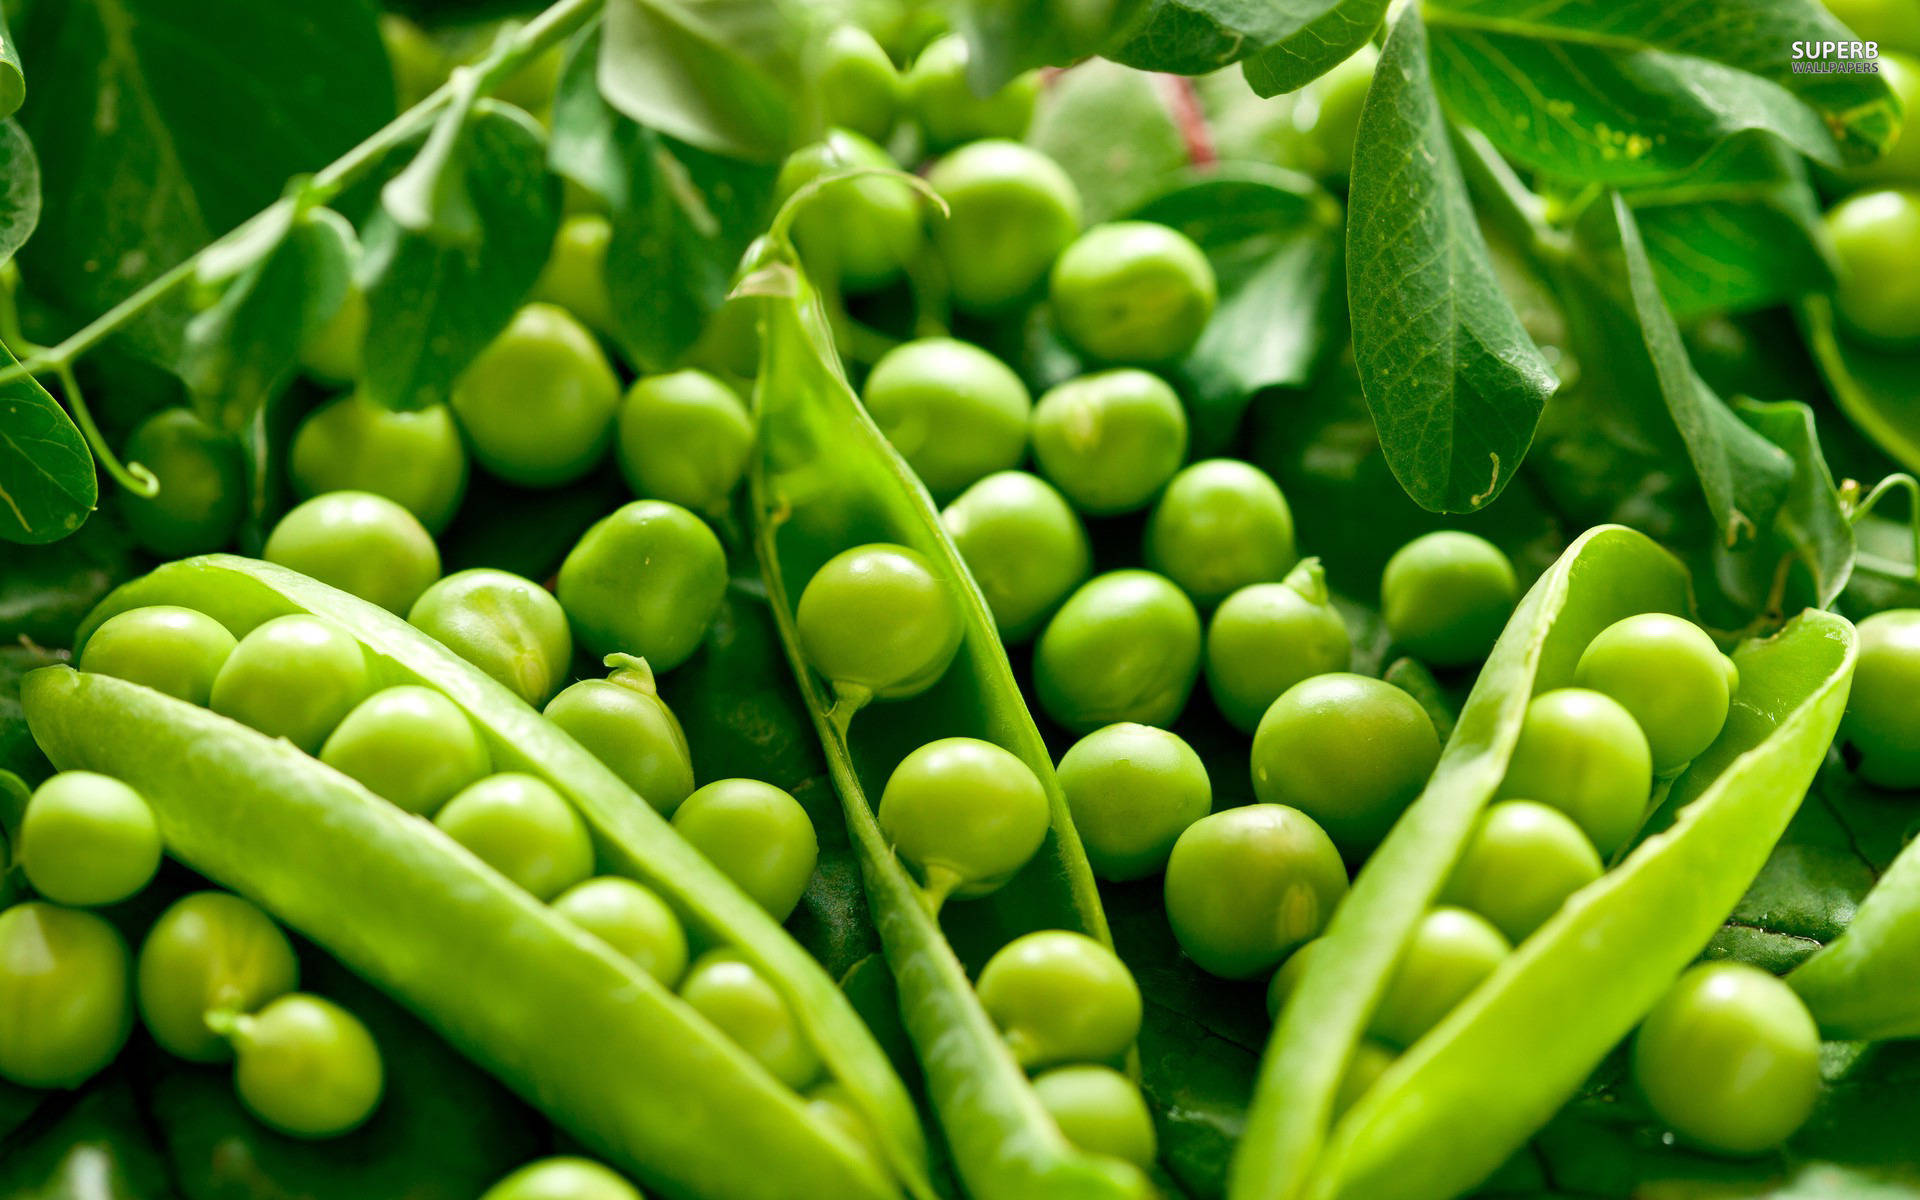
x,y
1865,984
1449,1111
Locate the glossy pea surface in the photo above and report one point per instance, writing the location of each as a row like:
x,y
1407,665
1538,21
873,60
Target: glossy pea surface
x,y
622,721
876,619
562,1178
1882,723
1133,292
759,837
1247,885
1579,751
293,677
1521,863
859,87
750,1011
1221,525
634,921
198,505
523,829
168,648
861,231
953,411
1447,595
209,952
415,459
306,1066
1451,952
538,403
950,111
575,277
1124,647
1011,210
1099,1110
966,813
1267,637
1667,672
1133,790
684,437
1023,544
511,628
88,840
646,580
410,745
1060,996
64,1012
1111,440
360,543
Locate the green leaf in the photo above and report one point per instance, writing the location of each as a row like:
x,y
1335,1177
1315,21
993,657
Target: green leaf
x,y
1007,37
1317,48
1453,381
1192,37
19,189
1110,130
47,486
431,307
727,76
1806,554
239,352
429,196
13,80
160,125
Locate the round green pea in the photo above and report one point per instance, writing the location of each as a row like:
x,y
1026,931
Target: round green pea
x,y
1099,1110
877,621
415,459
1451,953
1221,525
858,85
88,840
562,1178
1900,164
1011,210
861,231
360,543
1110,441
409,745
1133,292
1875,238
174,650
1348,750
1730,1058
537,405
511,628
759,837
966,813
1024,546
1369,1062
305,1066
1245,886
1521,863
743,1005
210,952
201,479
684,437
622,721
634,921
335,352
293,677
1667,672
1060,997
953,411
1267,637
1446,596
1124,647
1133,790
951,112
1882,721
63,990
1584,754
1286,980
575,277
646,580
522,828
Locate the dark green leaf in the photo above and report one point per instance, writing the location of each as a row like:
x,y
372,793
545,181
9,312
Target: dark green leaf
x,y
727,76
46,590
1454,383
1192,37
1110,129
432,308
1806,554
1006,37
19,188
47,486
1317,48
429,196
13,81
97,1149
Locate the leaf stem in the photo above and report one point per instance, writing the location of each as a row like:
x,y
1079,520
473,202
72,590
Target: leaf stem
x,y
131,476
1904,482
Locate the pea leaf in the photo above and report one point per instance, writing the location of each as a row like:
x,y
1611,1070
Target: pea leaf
x,y
1316,48
47,486
19,189
1453,381
1006,37
1806,554
1111,132
433,307
1192,37
429,196
13,80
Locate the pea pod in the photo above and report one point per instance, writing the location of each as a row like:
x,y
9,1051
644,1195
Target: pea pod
x,y
1452,1108
824,479
402,905
1861,986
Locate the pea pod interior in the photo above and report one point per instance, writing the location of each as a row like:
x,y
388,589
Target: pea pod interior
x,y
824,480
1469,1092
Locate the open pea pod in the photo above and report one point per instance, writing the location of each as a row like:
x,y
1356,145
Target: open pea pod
x,y
597,1044
1865,984
824,479
1474,1088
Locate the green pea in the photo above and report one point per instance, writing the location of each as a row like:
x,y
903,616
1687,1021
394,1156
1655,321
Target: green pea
x,y
1730,1058
511,628
684,437
538,403
335,352
409,745
575,277
1133,791
859,87
415,459
174,650
522,828
646,580
1221,525
1369,1062
1110,441
305,1066
1522,861
1584,754
1267,637
876,621
1023,544
88,840
757,835
1059,997
210,952
1101,1111
1350,751
1446,596
1124,647
360,543
950,111
1286,980
622,721
744,1006
966,813
1882,722
63,990
293,677
634,921
1133,292
1875,236
1451,953
198,505
953,411
1246,886
562,1178
862,231
1667,672
1011,210
831,1105
1901,162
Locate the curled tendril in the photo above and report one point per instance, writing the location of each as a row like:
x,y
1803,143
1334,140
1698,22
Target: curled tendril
x,y
132,476
1859,509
